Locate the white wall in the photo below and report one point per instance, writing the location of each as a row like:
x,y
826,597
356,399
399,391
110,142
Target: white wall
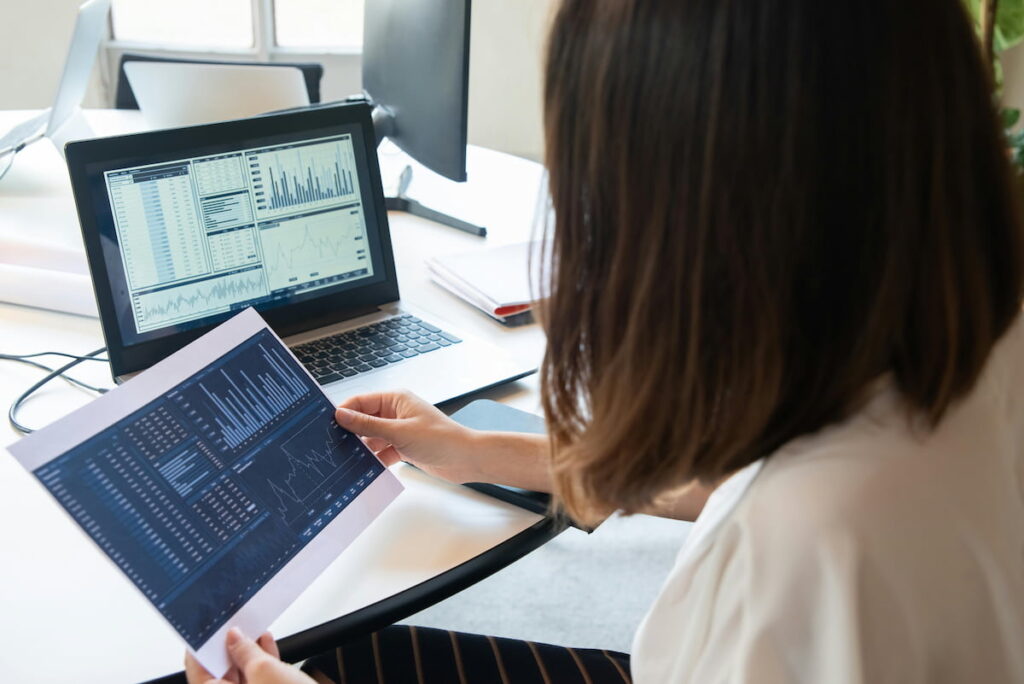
x,y
506,54
1013,77
506,45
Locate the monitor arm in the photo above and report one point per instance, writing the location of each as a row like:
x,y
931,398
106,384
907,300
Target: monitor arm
x,y
383,122
384,126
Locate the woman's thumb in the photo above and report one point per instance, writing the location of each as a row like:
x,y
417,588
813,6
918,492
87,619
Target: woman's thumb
x,y
244,652
365,425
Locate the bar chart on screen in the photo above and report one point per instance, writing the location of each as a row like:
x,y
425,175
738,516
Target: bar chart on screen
x,y
302,177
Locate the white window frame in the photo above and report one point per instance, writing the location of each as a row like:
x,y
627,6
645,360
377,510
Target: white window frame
x,y
341,63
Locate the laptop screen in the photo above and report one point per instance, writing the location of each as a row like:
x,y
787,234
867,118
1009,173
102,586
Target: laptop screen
x,y
205,235
200,223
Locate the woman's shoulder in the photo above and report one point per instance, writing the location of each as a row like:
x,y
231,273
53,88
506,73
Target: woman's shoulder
x,y
885,464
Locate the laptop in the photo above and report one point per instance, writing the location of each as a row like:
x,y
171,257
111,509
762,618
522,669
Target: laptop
x,y
89,30
285,213
166,91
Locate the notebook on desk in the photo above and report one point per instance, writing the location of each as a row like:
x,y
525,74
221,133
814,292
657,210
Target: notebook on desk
x,y
284,213
495,280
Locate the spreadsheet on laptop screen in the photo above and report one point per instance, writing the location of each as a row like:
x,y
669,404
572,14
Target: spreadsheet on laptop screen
x,y
211,234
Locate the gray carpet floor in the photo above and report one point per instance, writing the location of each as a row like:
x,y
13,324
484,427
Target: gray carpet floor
x,y
587,591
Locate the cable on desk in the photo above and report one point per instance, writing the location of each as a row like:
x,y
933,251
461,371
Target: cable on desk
x,y
10,159
12,413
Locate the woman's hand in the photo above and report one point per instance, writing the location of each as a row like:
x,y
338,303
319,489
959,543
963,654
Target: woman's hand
x,y
399,426
252,662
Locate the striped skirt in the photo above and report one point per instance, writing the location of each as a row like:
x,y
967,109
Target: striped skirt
x,y
422,655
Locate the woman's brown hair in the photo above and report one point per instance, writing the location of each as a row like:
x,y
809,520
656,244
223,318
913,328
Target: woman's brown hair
x,y
760,206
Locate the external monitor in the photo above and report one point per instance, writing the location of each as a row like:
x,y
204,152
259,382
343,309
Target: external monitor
x,y
416,74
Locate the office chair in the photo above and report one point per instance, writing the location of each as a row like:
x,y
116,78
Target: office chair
x,y
124,98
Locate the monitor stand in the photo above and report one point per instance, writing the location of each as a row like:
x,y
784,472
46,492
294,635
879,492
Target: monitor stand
x,y
383,124
402,202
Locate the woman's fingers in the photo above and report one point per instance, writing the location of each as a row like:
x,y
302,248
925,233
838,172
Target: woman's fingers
x,y
267,643
366,425
244,652
388,456
197,674
194,672
259,662
375,444
375,404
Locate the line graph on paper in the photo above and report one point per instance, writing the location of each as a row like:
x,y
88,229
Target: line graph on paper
x,y
195,300
310,462
309,248
312,465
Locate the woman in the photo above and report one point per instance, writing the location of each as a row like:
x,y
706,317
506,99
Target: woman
x,y
786,272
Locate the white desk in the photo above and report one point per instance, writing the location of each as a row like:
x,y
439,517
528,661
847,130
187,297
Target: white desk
x,y
66,613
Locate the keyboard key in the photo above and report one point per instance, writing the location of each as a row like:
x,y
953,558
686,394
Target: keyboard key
x,y
392,358
377,363
429,327
362,367
409,353
451,338
424,348
443,342
348,372
330,377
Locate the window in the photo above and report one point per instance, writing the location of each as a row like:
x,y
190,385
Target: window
x,y
243,26
185,23
318,23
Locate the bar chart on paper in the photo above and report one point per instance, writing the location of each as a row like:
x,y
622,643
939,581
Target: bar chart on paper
x,y
243,404
301,177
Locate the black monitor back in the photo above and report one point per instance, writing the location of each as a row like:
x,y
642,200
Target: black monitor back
x,y
416,67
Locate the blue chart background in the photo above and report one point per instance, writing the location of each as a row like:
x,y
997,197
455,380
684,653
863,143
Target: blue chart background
x,y
201,496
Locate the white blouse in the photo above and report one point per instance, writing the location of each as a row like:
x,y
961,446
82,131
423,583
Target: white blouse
x,y
873,551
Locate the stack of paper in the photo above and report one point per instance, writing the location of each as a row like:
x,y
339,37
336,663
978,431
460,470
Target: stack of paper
x,y
495,280
47,275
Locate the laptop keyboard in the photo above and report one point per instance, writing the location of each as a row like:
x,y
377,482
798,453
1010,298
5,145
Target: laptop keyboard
x,y
376,345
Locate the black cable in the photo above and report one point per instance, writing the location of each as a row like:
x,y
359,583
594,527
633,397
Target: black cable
x,y
12,413
10,159
67,378
22,357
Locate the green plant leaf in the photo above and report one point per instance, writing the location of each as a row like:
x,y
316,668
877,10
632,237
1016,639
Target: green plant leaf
x,y
1010,22
1010,116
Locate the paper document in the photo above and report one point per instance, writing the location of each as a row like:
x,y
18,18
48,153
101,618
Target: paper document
x,y
46,274
217,481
